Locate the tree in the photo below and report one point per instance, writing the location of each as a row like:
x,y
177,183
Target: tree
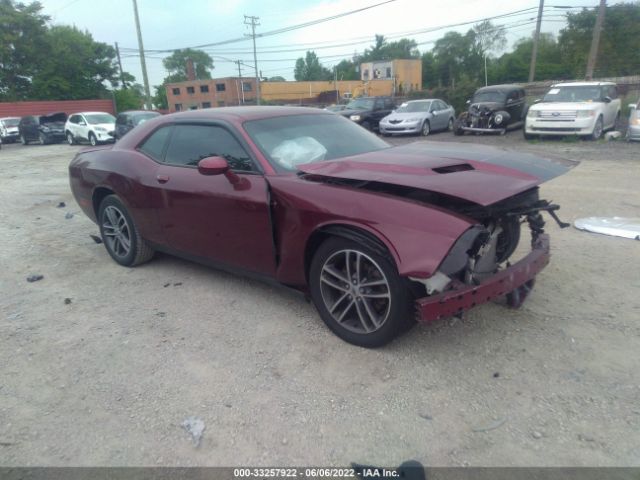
x,y
457,57
76,67
618,51
489,38
405,48
347,70
23,47
160,97
309,68
176,64
277,78
130,98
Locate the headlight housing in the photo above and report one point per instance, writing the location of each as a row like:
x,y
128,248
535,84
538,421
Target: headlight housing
x,y
498,118
533,113
355,118
412,120
585,113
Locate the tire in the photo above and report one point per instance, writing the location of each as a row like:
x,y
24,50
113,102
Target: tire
x,y
597,130
42,139
23,140
528,136
450,125
426,129
112,213
366,125
92,139
70,139
369,315
457,129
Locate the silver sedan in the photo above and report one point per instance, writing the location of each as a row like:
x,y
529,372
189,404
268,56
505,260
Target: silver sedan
x,y
419,116
633,131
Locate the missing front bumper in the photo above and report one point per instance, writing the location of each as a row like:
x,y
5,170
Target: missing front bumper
x,y
460,299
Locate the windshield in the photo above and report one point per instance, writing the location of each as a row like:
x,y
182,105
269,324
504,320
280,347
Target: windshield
x,y
586,93
297,139
11,122
413,107
96,118
360,104
143,117
493,97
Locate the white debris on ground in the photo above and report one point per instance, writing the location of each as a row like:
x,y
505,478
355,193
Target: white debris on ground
x,y
195,427
615,226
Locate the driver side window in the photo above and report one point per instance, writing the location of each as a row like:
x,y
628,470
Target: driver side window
x,y
191,143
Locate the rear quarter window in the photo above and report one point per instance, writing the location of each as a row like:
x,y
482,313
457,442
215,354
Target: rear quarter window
x,y
154,146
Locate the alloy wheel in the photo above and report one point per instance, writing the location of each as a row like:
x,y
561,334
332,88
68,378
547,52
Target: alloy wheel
x,y
116,231
426,128
355,291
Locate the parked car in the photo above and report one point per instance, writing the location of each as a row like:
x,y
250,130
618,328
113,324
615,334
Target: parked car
x,y
419,116
9,129
368,111
335,108
125,121
42,128
493,109
576,108
375,235
633,130
92,127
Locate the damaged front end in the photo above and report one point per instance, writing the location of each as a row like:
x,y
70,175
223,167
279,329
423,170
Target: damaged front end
x,y
478,268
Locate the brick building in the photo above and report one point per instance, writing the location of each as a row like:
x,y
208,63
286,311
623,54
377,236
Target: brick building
x,y
407,74
217,92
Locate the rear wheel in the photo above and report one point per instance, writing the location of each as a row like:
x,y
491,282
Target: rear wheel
x,y
120,235
359,294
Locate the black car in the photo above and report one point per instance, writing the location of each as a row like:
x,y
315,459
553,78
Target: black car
x,y
493,109
43,129
368,111
125,121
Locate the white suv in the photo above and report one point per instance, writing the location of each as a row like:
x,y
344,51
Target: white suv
x,y
92,127
577,108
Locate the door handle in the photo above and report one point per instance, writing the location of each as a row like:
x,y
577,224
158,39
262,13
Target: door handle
x,y
162,178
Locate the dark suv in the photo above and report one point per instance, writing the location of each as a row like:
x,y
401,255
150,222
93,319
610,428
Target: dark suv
x,y
493,109
42,128
125,121
368,111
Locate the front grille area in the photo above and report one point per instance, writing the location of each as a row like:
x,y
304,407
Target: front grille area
x,y
558,114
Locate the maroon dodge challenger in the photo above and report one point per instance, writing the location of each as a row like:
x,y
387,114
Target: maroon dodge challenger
x,y
377,236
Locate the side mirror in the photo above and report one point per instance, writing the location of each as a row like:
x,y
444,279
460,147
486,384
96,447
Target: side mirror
x,y
468,102
213,166
82,122
509,100
607,99
537,100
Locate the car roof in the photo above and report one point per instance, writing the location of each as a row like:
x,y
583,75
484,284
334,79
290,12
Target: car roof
x,y
422,100
246,113
137,112
499,88
582,84
90,113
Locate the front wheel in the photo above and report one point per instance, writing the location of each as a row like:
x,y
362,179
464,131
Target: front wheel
x,y
359,294
23,140
597,130
119,234
70,139
426,129
42,139
457,128
366,125
93,140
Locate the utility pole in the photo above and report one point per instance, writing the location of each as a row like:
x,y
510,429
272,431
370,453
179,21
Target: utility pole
x,y
124,85
595,43
143,63
253,21
238,62
536,39
335,69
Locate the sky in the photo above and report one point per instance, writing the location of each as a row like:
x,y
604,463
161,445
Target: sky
x,y
170,24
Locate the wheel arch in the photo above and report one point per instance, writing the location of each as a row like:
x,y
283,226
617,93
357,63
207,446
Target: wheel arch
x,y
350,232
99,194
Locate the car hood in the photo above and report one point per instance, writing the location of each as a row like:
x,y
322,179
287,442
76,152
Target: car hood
x,y
564,106
59,117
480,174
107,126
405,116
346,113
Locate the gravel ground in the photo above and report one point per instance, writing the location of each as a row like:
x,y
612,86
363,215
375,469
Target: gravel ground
x,y
108,376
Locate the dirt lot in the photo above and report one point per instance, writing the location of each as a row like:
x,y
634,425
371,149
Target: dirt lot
x,y
108,378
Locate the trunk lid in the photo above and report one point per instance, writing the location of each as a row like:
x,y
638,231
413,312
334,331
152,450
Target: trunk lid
x,y
480,174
